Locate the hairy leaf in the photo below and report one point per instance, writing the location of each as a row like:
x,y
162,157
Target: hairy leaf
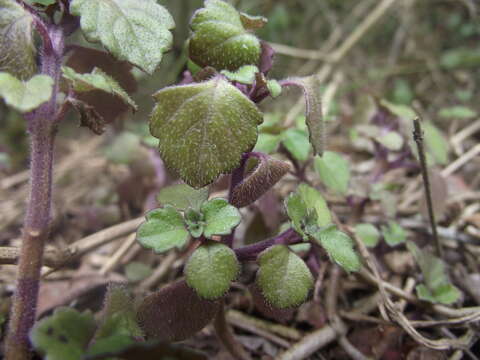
x,y
175,313
266,173
17,55
220,217
204,129
219,38
339,247
96,80
368,233
63,335
25,96
334,171
132,30
182,196
163,230
210,270
283,277
244,75
394,234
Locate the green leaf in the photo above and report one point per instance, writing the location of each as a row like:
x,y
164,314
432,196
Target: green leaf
x,y
96,80
394,234
220,217
457,112
339,247
204,129
274,88
307,208
16,40
195,222
267,143
25,96
334,171
163,230
124,148
283,277
368,233
219,38
460,57
391,140
244,75
132,30
436,143
210,270
296,142
43,2
402,111
182,196
137,271
63,335
437,287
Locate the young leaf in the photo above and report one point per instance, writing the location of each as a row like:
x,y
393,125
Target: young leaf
x,y
339,247
266,173
96,80
436,143
334,171
182,196
394,234
195,222
163,230
437,288
210,270
296,142
132,30
63,335
274,88
220,217
204,129
244,75
175,313
313,110
368,233
283,277
16,40
219,38
25,96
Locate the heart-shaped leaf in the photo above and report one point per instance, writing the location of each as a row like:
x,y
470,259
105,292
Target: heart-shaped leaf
x,y
16,40
63,335
96,80
283,277
220,217
219,38
25,96
132,30
182,196
334,171
163,230
210,270
204,129
175,313
267,172
339,247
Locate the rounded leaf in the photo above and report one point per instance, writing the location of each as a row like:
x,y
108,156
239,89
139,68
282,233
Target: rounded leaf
x,y
283,277
334,171
175,313
25,96
219,38
163,230
204,129
220,217
210,270
368,233
182,196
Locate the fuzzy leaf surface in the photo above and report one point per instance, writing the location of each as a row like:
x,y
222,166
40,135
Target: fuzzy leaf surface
x,y
339,247
219,38
63,335
182,196
180,307
96,80
163,230
25,96
283,277
17,56
334,171
204,129
210,270
220,217
134,30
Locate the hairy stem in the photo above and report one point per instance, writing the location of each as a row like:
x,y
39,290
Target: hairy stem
x,y
41,127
